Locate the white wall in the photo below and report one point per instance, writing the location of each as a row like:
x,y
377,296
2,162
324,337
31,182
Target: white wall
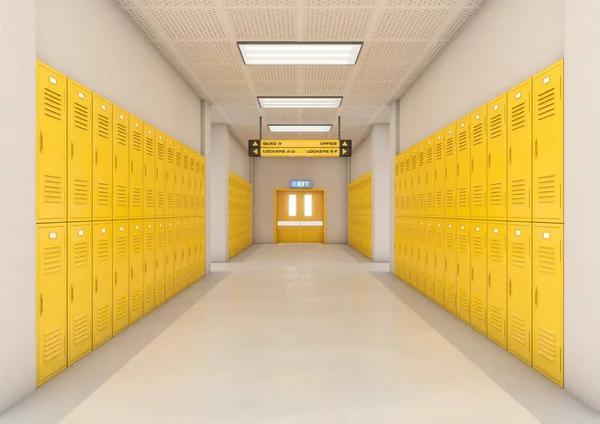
x,y
582,200
328,173
381,192
507,42
239,161
360,162
97,45
17,191
219,189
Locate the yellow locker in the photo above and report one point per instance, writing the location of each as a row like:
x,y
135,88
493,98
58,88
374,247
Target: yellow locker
x,y
450,170
415,253
479,276
136,174
121,163
79,186
439,262
148,299
401,193
185,181
149,171
479,160
200,205
430,259
401,242
548,306
51,156
120,296
463,168
169,259
421,267
439,173
169,178
397,208
397,247
51,276
199,252
414,181
450,266
103,158
136,264
422,175
408,251
160,261
185,259
177,256
79,288
463,270
497,283
548,152
198,186
429,177
192,183
178,184
519,290
103,290
519,152
192,251
159,170
407,184
497,161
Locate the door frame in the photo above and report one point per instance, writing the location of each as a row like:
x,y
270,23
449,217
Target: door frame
x,y
308,190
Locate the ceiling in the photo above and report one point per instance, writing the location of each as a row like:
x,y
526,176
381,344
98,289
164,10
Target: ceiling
x,y
401,37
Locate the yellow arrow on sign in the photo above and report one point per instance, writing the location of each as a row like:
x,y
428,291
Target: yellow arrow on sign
x,y
255,151
344,151
344,144
255,144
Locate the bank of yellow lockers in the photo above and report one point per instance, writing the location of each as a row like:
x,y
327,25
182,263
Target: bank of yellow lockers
x,y
439,260
79,186
548,302
414,181
169,259
198,248
102,289
185,259
160,262
185,187
192,184
102,111
463,168
136,265
450,171
463,270
439,174
177,287
478,276
450,266
397,247
497,161
159,172
148,297
519,290
202,184
79,290
136,173
192,251
519,152
121,163
429,177
397,209
120,292
421,268
169,178
408,251
414,258
51,151
422,182
497,282
401,191
430,259
149,173
51,277
548,152
479,163
177,187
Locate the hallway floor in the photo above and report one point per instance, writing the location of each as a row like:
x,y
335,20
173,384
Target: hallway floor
x,y
292,334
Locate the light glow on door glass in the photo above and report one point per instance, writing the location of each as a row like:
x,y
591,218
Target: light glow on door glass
x,y
308,205
292,205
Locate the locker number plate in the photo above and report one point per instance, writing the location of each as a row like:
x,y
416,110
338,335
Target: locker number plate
x,y
546,235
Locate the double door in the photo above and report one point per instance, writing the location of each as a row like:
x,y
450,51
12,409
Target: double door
x,y
300,216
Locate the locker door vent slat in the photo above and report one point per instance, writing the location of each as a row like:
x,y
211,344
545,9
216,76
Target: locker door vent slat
x,y
103,250
518,332
81,190
136,299
53,257
546,259
518,118
53,104
81,116
121,134
496,318
53,188
547,344
103,193
121,247
121,307
450,146
103,126
478,195
136,142
450,198
496,194
149,198
149,146
53,344
477,134
81,329
462,141
136,196
496,253
496,128
463,197
546,104
478,309
136,243
80,254
518,195
518,252
103,320
160,150
546,189
121,195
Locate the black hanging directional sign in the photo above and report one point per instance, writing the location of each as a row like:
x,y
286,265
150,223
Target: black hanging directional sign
x,y
300,148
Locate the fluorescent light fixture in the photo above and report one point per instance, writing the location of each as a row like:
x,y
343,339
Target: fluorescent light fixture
x,y
299,128
300,102
293,53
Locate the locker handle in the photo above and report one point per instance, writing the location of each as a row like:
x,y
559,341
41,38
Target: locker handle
x,y
458,269
131,272
115,278
490,279
510,154
446,172
510,287
536,297
472,273
96,284
115,162
145,170
41,303
458,169
157,173
536,147
96,156
132,167
41,142
72,150
472,164
145,267
489,160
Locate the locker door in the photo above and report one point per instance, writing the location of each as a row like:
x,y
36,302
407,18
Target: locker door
x,y
450,266
160,261
414,181
439,173
548,152
136,264
185,181
200,193
519,291
439,260
169,259
136,174
479,160
408,252
177,287
121,163
51,156
169,177
401,186
463,168
463,270
519,152
160,169
79,291
148,299
548,306
177,187
51,276
121,276
149,171
421,243
430,259
79,173
202,239
415,254
497,283
478,276
397,247
397,209
192,183
103,158
400,243
497,161
198,231
103,290
429,178
185,259
407,183
450,170
422,175
192,251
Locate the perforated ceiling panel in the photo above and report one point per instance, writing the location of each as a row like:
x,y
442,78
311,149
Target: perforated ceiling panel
x,y
199,37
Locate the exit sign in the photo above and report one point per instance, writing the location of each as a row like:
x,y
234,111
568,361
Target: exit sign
x,y
301,184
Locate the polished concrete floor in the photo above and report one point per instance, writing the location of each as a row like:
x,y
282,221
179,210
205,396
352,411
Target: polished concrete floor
x,y
292,334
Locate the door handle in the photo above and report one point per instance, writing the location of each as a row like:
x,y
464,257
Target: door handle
x,y
458,269
446,264
116,278
131,272
72,150
145,170
490,160
115,162
472,273
536,297
96,156
132,167
472,164
510,287
490,279
145,267
536,147
41,142
41,303
510,155
156,263
96,284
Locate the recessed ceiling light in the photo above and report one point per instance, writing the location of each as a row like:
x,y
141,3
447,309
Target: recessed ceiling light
x,y
292,53
300,102
300,128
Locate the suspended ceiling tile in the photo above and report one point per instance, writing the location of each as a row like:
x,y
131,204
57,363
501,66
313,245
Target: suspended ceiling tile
x,y
327,73
368,88
410,23
436,49
337,24
229,88
190,24
340,3
281,114
364,101
264,24
208,51
320,116
142,23
394,51
126,3
272,73
165,51
324,88
185,73
427,3
243,101
177,3
458,23
213,72
276,88
475,3
270,3
376,72
359,111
